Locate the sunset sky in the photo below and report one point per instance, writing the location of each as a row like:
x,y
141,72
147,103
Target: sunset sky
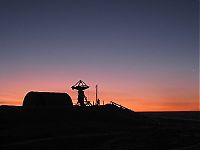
x,y
143,54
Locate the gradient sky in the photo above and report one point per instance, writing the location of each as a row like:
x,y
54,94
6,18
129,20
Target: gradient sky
x,y
143,54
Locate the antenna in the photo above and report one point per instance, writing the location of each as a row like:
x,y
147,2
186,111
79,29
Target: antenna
x,y
80,86
97,99
96,92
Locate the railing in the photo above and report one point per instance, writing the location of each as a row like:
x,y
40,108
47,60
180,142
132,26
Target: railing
x,y
118,105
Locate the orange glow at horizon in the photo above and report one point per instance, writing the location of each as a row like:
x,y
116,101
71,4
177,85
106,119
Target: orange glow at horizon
x,y
142,93
135,99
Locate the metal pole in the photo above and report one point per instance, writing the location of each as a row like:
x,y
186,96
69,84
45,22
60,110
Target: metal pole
x,y
96,94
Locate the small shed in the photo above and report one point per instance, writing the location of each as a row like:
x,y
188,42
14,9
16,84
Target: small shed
x,y
47,99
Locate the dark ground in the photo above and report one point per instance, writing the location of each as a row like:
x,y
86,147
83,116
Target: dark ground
x,y
101,128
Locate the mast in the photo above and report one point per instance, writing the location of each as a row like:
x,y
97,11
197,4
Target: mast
x,y
96,93
97,99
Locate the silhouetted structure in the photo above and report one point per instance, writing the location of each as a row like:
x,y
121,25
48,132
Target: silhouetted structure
x,y
47,99
120,106
97,99
80,86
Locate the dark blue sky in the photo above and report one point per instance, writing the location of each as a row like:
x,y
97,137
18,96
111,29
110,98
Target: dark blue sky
x,y
145,43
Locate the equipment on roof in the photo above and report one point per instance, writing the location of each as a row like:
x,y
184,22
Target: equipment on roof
x,y
80,86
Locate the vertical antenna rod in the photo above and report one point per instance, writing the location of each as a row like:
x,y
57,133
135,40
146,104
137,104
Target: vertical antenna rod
x,y
96,93
97,99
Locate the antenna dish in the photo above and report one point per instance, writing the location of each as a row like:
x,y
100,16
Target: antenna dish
x,y
80,86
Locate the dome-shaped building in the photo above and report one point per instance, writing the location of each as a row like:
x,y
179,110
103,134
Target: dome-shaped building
x,y
47,99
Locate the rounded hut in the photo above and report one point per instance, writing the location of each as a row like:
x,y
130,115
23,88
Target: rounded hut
x,y
47,99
